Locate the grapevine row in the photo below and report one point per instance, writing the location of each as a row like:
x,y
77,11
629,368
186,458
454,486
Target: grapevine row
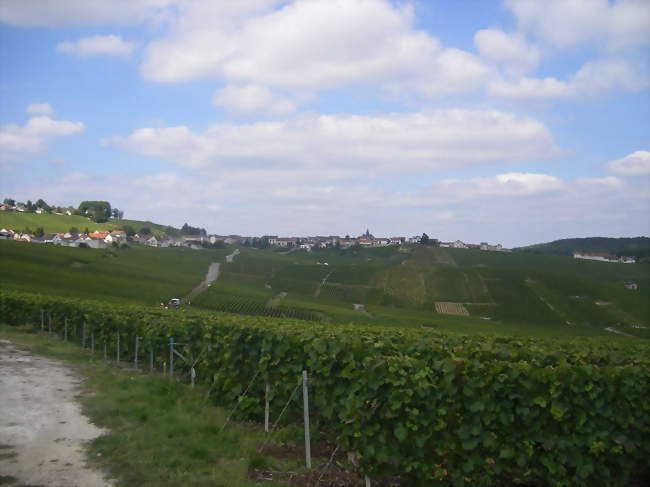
x,y
461,410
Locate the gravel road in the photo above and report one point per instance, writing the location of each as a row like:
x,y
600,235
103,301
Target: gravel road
x,y
42,429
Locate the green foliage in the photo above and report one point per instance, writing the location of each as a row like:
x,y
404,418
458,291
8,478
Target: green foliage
x,y
129,230
190,230
459,410
98,211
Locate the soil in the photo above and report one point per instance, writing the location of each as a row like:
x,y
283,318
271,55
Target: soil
x,y
42,429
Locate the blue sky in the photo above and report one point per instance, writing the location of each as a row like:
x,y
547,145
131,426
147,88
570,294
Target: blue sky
x,y
512,122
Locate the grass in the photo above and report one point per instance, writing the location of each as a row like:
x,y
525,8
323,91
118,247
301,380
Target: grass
x,y
137,274
62,223
160,432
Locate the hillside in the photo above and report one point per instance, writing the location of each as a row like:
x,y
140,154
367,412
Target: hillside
x,y
62,223
637,246
455,290
134,275
451,289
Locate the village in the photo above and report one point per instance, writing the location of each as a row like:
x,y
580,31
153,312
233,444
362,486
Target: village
x,y
99,239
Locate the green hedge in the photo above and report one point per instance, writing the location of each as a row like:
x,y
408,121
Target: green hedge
x,y
461,410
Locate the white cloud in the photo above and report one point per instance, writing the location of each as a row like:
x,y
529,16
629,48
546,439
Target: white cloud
x,y
48,13
109,45
592,79
530,88
18,143
337,147
635,164
40,109
506,184
509,50
605,75
308,46
616,24
250,99
512,209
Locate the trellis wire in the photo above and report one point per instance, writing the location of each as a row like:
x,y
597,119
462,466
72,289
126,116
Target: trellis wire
x,y
238,401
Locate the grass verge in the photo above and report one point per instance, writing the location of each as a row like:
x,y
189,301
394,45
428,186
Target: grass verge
x,y
159,432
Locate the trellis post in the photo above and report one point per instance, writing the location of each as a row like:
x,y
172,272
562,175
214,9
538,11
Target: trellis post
x,y
305,406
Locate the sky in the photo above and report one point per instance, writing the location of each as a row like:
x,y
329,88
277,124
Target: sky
x,y
512,122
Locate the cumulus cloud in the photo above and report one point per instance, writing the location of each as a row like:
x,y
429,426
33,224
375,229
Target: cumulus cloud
x,y
307,46
18,143
616,24
507,184
592,79
512,208
635,164
40,109
341,146
46,13
511,51
250,99
109,45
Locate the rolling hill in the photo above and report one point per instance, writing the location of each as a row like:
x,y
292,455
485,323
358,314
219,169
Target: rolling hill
x,y
636,246
457,290
62,223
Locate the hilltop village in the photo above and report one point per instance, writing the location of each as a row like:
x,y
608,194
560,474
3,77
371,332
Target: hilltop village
x,y
99,239
101,211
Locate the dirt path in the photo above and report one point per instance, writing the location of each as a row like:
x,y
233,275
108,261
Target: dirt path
x,y
275,300
231,257
212,275
618,332
42,430
322,283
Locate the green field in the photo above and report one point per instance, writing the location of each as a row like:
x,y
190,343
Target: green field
x,y
505,293
62,223
138,274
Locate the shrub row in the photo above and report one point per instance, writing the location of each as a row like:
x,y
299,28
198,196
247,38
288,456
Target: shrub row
x,y
460,410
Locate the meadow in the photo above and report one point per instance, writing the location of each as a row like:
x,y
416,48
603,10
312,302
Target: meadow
x,y
62,223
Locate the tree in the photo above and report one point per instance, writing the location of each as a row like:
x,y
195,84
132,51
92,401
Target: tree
x,y
129,230
86,231
189,230
10,202
39,232
29,206
97,211
42,204
73,231
145,231
424,239
171,231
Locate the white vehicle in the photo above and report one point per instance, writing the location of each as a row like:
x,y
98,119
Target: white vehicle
x,y
173,303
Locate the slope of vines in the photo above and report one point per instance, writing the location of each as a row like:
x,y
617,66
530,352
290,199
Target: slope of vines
x,y
462,410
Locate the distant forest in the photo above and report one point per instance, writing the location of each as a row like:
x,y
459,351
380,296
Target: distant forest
x,y
638,247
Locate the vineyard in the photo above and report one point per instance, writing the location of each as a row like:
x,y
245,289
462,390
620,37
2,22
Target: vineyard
x,y
424,406
250,305
451,308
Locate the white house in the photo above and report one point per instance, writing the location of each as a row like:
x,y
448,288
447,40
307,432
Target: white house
x,y
602,257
